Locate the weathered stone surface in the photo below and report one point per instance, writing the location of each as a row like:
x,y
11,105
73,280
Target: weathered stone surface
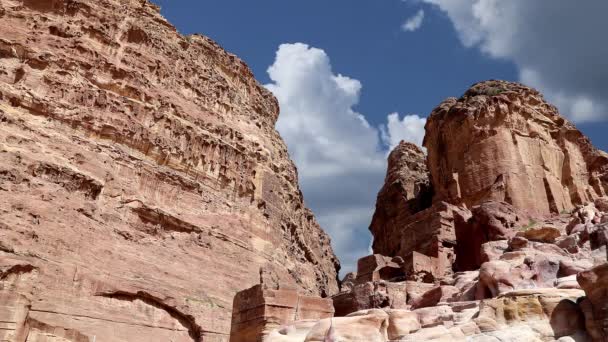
x,y
502,141
406,191
142,178
542,234
519,209
378,267
523,315
371,295
367,325
489,221
595,284
258,311
425,241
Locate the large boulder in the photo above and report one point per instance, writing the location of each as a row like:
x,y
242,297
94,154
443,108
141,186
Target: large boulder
x,y
369,326
595,284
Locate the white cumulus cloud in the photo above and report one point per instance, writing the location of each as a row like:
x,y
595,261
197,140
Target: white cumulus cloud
x,y
413,23
559,46
410,128
341,158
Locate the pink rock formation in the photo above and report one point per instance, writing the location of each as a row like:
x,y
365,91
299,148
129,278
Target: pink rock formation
x,y
595,284
406,191
424,240
489,221
142,181
502,141
258,311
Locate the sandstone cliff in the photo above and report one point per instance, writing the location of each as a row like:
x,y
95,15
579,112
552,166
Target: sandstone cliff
x,y
142,181
503,141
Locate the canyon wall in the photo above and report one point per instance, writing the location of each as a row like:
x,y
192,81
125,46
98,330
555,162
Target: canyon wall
x,y
142,181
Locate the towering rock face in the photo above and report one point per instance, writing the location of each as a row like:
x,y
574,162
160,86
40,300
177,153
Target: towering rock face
x,y
502,141
142,181
406,191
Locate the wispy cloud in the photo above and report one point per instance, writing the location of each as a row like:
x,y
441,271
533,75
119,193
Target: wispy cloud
x,y
413,23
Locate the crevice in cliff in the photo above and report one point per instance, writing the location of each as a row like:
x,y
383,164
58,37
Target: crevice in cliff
x,y
187,321
69,179
16,270
157,222
552,204
169,223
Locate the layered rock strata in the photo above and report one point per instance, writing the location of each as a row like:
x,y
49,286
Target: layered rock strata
x,y
142,181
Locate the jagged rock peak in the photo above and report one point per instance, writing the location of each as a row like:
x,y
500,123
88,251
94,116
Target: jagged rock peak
x,y
142,181
503,141
406,191
406,164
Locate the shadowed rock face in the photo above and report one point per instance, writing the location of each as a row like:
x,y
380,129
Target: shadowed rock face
x,y
502,141
142,181
406,191
595,284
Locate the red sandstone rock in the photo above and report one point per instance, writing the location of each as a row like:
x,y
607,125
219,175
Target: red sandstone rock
x,y
371,295
141,179
489,221
502,141
542,234
406,191
257,312
528,178
595,284
378,267
425,240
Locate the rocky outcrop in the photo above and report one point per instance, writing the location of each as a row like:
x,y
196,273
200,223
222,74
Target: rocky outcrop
x,y
517,216
406,191
595,284
140,169
259,311
379,283
426,241
527,315
502,141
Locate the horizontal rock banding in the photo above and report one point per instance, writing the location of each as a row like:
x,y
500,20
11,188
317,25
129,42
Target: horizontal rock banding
x,y
137,160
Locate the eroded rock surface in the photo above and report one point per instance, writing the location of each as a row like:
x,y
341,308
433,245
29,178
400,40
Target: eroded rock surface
x,y
142,181
406,191
502,141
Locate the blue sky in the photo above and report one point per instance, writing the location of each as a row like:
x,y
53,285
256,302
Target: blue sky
x,y
355,63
